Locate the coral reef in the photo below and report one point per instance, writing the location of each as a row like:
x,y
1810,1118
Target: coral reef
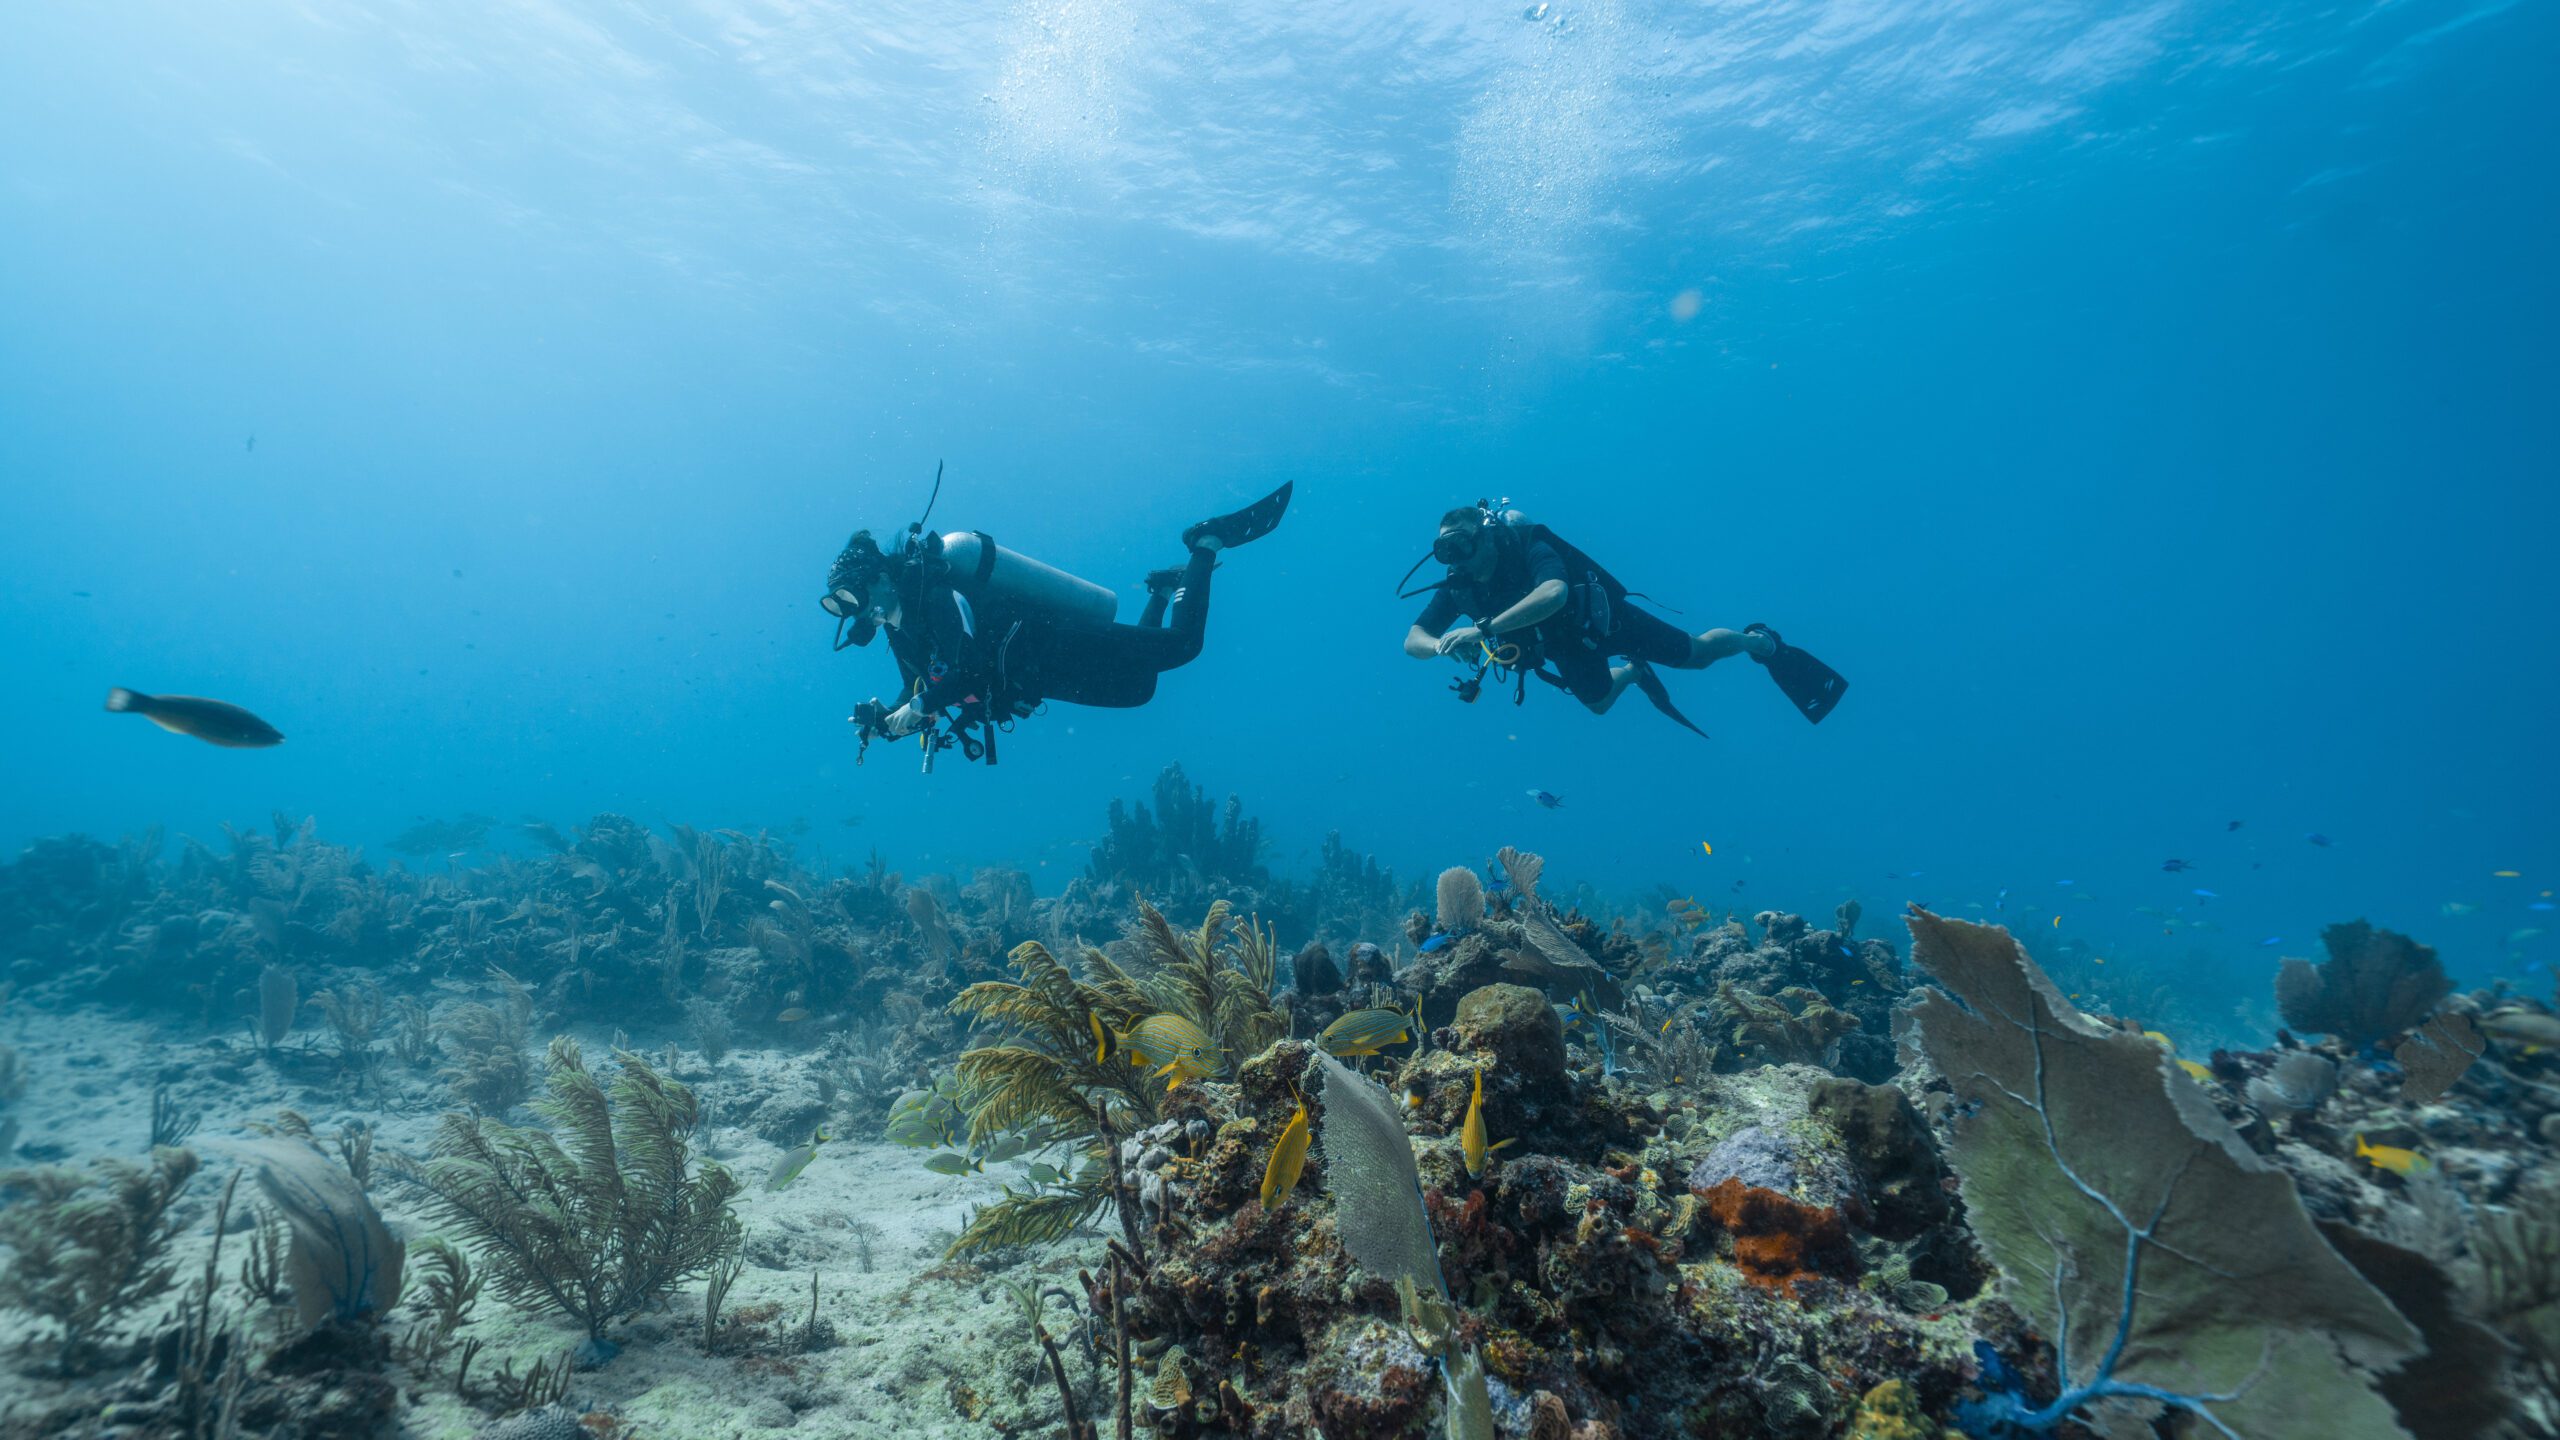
x,y
1659,1172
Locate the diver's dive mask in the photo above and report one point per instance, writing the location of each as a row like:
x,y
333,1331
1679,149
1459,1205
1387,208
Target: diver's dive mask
x,y
858,567
1458,547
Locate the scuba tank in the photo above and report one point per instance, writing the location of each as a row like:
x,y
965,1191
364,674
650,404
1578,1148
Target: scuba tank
x,y
978,567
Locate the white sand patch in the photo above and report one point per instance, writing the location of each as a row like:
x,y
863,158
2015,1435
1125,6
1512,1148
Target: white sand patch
x,y
922,1349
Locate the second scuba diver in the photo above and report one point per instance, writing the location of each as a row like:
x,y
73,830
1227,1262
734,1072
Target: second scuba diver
x,y
983,635
1542,607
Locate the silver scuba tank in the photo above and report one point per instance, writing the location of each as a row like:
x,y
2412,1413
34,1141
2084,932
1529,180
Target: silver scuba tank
x,y
984,570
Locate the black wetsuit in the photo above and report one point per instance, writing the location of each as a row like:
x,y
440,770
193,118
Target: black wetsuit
x,y
952,652
1578,641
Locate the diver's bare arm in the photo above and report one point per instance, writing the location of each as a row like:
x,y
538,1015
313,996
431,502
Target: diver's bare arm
x,y
1421,644
1537,605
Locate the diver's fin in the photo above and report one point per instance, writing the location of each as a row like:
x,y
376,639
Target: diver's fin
x,y
1240,526
1660,694
1813,686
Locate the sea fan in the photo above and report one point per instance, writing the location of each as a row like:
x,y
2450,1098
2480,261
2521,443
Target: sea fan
x,y
345,1262
2300,1082
1461,900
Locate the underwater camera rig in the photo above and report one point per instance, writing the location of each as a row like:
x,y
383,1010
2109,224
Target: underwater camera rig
x,y
970,729
1504,663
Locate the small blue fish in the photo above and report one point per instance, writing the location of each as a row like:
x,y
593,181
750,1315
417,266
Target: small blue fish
x,y
2539,905
2206,895
2316,838
2272,940
1547,798
2233,825
2066,884
1437,943
2001,901
1845,950
2173,866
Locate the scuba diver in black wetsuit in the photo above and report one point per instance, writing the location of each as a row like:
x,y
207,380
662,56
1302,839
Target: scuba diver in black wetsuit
x,y
983,636
1542,607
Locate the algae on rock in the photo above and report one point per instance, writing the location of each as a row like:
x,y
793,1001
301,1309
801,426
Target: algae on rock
x,y
1796,1026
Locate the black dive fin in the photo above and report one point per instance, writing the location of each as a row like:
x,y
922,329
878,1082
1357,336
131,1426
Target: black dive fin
x,y
1250,523
1660,694
1813,686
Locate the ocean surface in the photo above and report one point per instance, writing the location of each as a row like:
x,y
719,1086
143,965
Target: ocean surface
x,y
2148,407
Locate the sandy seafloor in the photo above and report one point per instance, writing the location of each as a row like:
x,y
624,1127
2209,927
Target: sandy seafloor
x,y
919,1344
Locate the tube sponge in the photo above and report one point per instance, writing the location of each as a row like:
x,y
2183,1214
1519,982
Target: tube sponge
x,y
1461,900
277,1002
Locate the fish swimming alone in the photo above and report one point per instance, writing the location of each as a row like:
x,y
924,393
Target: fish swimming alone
x,y
1471,1136
2392,1158
793,1161
1364,1032
1547,798
1186,1051
215,722
1288,1157
2523,1027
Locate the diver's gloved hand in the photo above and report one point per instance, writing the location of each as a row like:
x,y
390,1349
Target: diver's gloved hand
x,y
1461,641
902,722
